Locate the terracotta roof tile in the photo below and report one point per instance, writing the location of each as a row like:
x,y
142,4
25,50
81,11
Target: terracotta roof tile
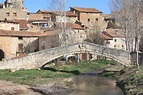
x,y
71,14
70,25
91,10
105,37
42,11
114,33
52,32
23,24
77,26
19,33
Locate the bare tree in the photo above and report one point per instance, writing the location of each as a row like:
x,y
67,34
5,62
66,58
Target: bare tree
x,y
59,6
30,45
128,14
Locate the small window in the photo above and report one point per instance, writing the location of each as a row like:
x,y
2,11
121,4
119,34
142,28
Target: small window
x,y
12,28
43,45
115,40
31,26
108,42
7,14
20,47
114,46
122,46
88,20
96,19
14,14
20,38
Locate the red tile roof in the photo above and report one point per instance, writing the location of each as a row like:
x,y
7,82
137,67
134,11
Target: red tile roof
x,y
19,33
90,10
52,32
77,26
105,37
42,11
23,24
114,33
70,14
70,25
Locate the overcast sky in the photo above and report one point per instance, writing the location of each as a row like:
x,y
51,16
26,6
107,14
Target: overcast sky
x,y
34,5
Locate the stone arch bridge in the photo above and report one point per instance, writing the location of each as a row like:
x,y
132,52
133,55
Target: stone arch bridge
x,y
40,58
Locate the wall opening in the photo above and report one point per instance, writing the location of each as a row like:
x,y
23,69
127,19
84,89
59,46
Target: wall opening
x,y
1,54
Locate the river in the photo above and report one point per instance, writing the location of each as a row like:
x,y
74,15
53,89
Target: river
x,y
95,85
82,85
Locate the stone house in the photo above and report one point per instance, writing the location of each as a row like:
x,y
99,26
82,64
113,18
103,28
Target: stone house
x,y
17,43
12,13
46,14
87,16
9,25
49,39
114,38
55,16
23,24
70,17
54,36
80,33
35,19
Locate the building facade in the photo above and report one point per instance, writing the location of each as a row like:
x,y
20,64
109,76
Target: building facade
x,y
12,13
9,25
114,38
17,43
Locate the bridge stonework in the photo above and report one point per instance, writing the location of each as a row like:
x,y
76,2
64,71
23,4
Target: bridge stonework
x,y
40,58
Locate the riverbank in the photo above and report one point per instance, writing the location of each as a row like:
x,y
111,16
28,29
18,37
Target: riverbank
x,y
49,80
130,80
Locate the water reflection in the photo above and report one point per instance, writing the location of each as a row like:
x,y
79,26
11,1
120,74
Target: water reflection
x,y
94,85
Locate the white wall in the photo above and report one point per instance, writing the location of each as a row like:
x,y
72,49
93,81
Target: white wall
x,y
118,43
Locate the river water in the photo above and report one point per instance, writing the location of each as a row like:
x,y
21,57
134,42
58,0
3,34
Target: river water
x,y
95,85
81,85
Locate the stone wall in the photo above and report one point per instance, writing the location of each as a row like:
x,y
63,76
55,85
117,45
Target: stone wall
x,y
12,13
38,59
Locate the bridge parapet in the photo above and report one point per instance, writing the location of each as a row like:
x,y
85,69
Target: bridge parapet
x,y
120,56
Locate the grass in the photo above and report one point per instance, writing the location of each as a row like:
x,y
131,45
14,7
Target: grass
x,y
37,77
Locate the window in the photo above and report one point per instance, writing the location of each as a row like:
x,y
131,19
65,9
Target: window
x,y
107,42
96,19
20,38
20,47
115,40
12,28
31,26
88,20
14,14
114,46
122,46
43,45
7,14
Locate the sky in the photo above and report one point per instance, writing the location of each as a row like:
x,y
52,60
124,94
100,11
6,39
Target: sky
x,y
34,5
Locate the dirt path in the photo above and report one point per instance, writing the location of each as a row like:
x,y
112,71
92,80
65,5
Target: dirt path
x,y
9,88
